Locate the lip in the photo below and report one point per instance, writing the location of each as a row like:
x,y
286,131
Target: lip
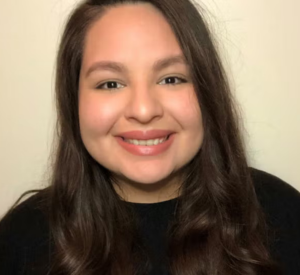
x,y
142,150
144,135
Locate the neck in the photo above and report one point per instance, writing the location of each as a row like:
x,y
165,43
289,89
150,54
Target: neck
x,y
131,191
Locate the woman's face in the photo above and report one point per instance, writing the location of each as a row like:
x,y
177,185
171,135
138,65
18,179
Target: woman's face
x,y
134,83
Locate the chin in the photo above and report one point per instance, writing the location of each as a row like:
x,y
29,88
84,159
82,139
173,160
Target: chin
x,y
145,178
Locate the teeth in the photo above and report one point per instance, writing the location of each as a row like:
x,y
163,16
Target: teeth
x,y
148,142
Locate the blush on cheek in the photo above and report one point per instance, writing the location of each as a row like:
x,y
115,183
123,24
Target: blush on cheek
x,y
185,107
96,116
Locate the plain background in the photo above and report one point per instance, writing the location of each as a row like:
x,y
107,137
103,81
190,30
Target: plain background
x,y
261,50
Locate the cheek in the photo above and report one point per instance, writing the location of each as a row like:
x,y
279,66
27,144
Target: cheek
x,y
96,115
185,109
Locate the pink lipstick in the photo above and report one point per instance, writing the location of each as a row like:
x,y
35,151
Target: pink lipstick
x,y
146,143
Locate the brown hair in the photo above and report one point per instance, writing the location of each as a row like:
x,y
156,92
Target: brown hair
x,y
218,227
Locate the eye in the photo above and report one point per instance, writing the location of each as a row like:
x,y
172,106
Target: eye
x,y
172,80
110,85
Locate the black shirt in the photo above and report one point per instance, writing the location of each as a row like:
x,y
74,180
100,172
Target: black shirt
x,y
25,243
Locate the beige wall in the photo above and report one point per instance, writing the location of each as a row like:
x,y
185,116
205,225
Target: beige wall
x,y
261,41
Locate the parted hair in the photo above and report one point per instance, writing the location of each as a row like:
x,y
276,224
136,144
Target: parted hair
x,y
218,226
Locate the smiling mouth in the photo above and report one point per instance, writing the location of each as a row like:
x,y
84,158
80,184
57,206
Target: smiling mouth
x,y
148,142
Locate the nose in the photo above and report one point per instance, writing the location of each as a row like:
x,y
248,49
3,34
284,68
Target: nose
x,y
144,105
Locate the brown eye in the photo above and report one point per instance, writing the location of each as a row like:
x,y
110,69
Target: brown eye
x,y
110,85
172,80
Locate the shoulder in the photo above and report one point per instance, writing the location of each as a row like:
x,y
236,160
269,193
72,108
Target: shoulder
x,y
280,203
27,221
24,235
274,193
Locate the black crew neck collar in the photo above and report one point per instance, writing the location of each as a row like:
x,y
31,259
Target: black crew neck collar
x,y
160,203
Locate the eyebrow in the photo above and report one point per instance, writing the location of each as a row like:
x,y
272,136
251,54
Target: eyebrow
x,y
121,68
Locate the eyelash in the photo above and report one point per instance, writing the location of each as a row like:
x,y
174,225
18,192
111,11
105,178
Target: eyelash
x,y
182,80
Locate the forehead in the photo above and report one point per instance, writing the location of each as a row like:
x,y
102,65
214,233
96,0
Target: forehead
x,y
128,32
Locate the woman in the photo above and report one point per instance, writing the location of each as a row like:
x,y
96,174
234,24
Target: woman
x,y
149,173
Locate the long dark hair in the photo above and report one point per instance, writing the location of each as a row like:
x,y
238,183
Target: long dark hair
x,y
218,227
